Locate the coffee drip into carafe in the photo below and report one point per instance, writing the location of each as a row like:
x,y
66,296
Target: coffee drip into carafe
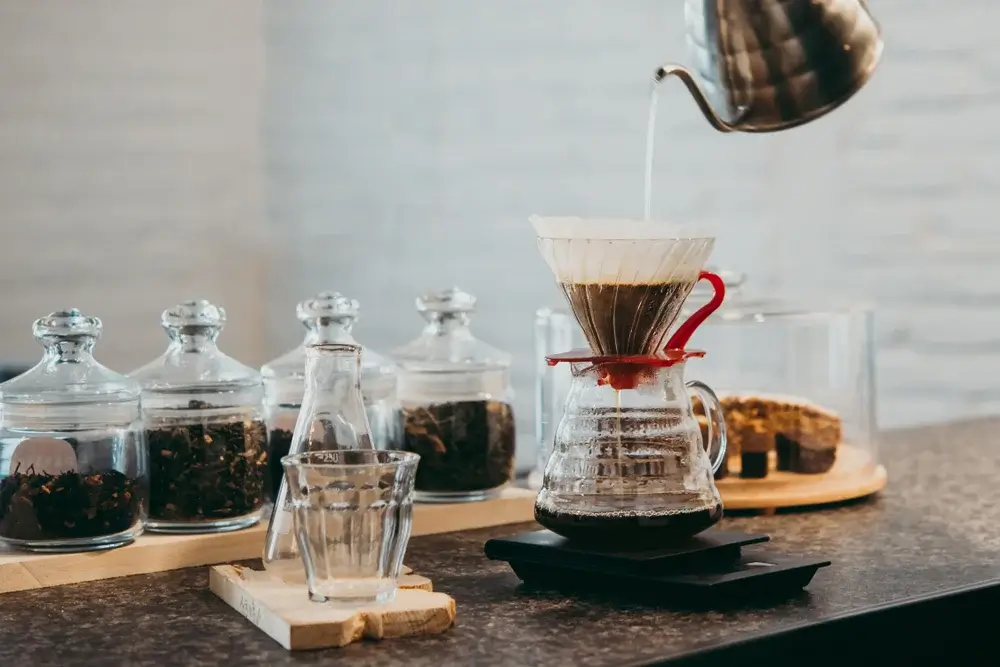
x,y
628,463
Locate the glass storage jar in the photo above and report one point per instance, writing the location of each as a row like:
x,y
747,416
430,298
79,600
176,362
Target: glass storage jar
x,y
73,468
205,431
555,331
456,403
796,382
328,318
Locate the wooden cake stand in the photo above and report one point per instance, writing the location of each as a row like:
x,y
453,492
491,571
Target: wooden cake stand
x,y
855,474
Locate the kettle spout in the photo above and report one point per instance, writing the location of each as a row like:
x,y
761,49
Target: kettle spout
x,y
687,79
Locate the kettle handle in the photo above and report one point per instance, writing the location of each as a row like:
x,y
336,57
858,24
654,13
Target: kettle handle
x,y
684,332
715,423
672,69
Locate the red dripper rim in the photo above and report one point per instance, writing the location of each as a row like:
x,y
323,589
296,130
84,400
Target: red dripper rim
x,y
624,372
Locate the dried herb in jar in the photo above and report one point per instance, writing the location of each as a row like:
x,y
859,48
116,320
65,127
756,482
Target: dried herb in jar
x,y
463,446
279,442
207,471
39,506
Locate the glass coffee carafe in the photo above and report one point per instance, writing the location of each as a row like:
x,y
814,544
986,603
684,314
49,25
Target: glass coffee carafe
x,y
628,463
629,466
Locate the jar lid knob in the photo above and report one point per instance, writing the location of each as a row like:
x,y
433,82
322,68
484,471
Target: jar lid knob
x,y
327,307
451,300
67,324
193,315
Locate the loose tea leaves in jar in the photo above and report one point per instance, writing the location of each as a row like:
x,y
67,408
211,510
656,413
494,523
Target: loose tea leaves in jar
x,y
207,470
73,473
204,426
463,446
455,397
279,441
40,506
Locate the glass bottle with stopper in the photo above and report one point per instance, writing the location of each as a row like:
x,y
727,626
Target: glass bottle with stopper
x,y
628,464
332,417
206,433
73,465
328,318
769,65
456,399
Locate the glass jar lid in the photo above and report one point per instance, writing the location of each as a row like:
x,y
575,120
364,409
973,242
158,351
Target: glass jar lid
x,y
68,373
329,318
446,343
192,359
740,305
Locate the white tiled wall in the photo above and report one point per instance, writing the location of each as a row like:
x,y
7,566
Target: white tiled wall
x,y
130,170
405,143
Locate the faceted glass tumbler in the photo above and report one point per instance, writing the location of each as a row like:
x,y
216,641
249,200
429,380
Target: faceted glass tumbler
x,y
353,511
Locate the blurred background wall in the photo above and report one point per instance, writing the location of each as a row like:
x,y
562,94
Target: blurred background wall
x,y
254,154
130,169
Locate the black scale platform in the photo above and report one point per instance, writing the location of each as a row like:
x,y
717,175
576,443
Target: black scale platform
x,y
710,567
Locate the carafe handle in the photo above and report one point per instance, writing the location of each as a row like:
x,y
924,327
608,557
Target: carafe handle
x,y
714,421
684,332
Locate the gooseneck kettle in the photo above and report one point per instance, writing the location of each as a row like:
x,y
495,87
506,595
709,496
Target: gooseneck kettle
x,y
769,65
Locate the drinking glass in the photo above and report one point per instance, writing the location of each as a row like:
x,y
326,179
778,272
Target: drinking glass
x,y
352,511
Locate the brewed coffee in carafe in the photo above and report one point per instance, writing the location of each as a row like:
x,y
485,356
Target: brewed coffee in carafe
x,y
628,466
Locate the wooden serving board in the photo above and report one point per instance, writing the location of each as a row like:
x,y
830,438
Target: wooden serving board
x,y
854,475
285,613
153,552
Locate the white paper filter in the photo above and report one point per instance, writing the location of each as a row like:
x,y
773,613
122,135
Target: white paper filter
x,y
622,252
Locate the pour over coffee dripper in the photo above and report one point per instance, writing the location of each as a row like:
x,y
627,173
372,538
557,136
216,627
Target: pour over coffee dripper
x,y
628,465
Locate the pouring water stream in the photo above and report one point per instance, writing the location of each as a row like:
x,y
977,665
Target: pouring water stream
x,y
650,134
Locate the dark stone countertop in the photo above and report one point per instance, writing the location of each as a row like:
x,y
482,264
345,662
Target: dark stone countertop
x,y
936,527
